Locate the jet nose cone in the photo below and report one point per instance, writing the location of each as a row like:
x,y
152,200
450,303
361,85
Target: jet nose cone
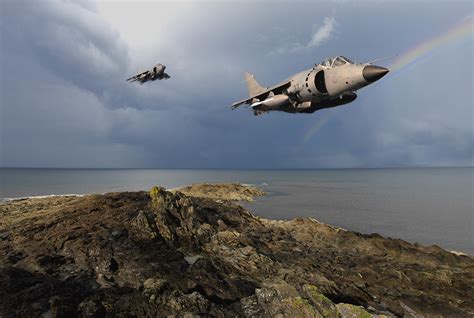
x,y
373,73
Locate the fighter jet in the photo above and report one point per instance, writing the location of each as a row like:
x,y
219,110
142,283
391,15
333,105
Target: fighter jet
x,y
331,83
157,72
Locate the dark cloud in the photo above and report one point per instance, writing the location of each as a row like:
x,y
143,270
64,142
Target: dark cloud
x,y
72,41
65,101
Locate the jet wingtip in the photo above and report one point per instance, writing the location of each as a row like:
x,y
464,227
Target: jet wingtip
x,y
235,105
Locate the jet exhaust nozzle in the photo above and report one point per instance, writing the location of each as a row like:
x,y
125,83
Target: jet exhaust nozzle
x,y
373,73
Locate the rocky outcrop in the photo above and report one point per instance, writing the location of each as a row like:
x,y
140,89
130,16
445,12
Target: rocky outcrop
x,y
222,191
169,254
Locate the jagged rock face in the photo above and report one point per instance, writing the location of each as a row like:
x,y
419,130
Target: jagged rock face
x,y
161,253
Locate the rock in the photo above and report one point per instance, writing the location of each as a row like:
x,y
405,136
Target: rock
x,y
154,285
143,225
249,307
91,308
278,298
222,191
351,311
321,303
194,253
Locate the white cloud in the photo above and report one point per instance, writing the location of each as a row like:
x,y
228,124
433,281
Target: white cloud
x,y
320,34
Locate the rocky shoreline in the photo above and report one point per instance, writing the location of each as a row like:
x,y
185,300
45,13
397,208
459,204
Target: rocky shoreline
x,y
192,252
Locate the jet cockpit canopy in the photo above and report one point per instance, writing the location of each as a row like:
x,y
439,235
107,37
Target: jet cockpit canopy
x,y
336,62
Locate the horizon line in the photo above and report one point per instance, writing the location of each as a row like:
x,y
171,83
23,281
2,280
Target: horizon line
x,y
256,168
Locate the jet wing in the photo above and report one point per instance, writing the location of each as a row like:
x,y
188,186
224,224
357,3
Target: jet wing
x,y
136,77
277,89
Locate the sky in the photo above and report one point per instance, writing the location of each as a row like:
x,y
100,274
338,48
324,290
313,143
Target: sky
x,y
65,102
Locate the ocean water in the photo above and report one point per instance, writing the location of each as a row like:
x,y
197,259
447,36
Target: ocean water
x,y
426,205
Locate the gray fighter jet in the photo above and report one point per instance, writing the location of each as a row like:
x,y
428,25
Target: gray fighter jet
x,y
330,83
157,72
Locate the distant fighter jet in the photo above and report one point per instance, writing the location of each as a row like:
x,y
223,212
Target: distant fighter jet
x,y
157,72
330,83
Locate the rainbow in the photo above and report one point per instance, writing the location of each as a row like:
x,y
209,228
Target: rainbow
x,y
322,120
457,31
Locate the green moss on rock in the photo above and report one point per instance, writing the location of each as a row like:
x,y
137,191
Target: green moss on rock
x,y
299,307
156,196
351,311
322,304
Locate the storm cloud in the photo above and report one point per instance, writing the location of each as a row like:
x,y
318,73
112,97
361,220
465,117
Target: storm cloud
x,y
65,102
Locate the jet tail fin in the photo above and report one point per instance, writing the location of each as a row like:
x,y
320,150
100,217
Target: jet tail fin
x,y
253,86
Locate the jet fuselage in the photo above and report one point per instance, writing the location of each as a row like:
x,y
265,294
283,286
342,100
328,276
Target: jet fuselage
x,y
328,84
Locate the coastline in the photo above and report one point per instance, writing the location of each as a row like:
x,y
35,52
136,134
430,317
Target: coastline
x,y
428,206
245,199
44,196
167,253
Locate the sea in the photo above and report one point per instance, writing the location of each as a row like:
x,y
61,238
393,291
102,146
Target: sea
x,y
424,205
